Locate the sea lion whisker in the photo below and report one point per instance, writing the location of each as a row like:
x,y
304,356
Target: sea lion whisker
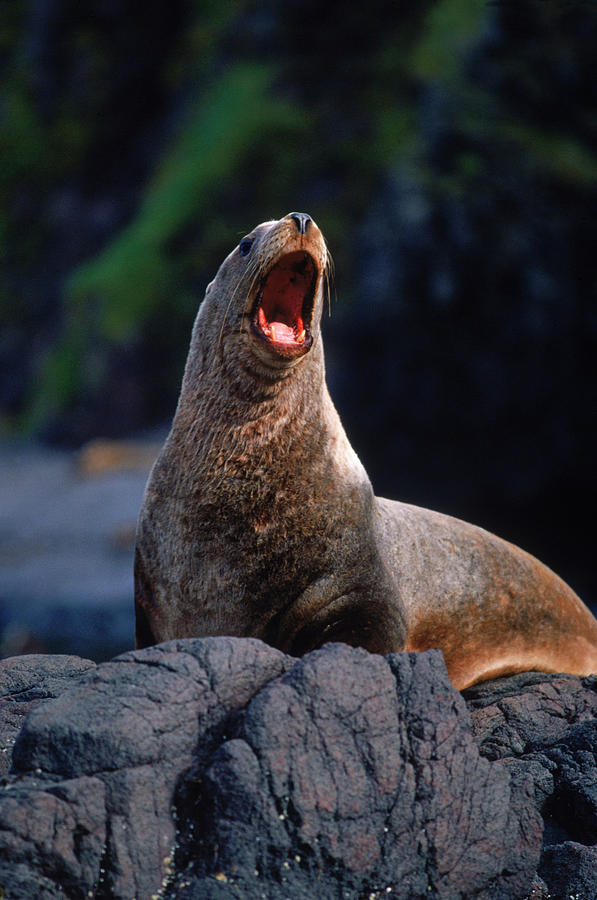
x,y
329,281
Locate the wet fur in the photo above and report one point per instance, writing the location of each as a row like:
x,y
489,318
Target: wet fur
x,y
259,520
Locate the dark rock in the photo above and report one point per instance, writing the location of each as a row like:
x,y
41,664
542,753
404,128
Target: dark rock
x,y
353,775
546,726
570,870
572,806
509,715
25,681
221,768
98,767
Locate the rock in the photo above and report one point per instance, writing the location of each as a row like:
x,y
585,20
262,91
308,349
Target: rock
x,y
355,776
546,725
220,768
25,681
570,871
98,767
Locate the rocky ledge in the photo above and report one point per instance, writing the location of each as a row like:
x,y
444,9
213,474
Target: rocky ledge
x,y
220,768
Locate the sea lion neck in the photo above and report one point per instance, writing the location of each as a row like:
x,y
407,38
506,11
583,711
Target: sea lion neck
x,y
241,386
231,418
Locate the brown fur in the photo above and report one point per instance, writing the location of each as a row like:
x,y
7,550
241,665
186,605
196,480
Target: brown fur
x,y
259,520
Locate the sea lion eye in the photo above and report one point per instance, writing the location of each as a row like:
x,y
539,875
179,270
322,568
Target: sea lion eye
x,y
245,246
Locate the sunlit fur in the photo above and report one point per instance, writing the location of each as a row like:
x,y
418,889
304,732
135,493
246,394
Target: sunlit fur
x,y
259,520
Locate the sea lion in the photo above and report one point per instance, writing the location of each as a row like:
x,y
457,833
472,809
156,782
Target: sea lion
x,y
259,520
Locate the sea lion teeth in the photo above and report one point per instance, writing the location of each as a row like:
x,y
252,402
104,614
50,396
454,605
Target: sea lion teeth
x,y
263,320
221,549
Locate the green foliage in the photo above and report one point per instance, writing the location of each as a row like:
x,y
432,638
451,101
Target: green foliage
x,y
450,30
111,296
134,273
266,121
61,381
557,155
22,138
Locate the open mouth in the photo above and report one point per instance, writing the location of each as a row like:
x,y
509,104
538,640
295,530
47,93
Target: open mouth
x,y
284,307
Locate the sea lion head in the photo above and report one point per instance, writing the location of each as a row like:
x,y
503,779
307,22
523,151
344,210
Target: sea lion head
x,y
267,297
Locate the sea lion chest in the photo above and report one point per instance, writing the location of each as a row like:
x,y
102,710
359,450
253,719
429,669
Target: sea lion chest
x,y
256,515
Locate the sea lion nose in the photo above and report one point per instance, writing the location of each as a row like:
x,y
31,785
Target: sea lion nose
x,y
301,220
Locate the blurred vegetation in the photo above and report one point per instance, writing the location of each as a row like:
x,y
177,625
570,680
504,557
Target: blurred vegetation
x,y
448,148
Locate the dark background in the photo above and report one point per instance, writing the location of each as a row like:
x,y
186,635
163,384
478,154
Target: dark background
x,y
447,149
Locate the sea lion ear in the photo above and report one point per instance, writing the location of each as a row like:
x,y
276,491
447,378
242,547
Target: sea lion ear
x,y
209,287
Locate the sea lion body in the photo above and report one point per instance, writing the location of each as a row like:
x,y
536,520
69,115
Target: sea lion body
x,y
259,519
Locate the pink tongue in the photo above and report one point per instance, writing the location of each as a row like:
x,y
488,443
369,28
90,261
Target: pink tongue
x,y
281,333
